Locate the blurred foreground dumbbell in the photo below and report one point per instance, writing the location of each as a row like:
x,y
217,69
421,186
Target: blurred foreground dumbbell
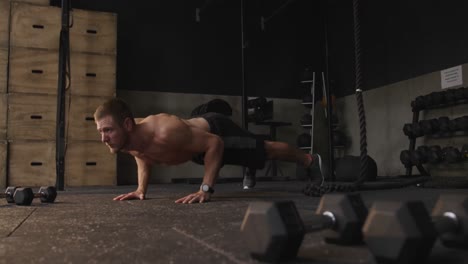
x,y
404,232
9,194
274,231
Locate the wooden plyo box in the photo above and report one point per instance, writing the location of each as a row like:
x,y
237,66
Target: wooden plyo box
x,y
35,26
89,164
94,32
3,163
31,116
3,116
3,69
81,120
34,2
4,22
31,163
36,71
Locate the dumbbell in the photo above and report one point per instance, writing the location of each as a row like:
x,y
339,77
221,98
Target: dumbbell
x,y
47,194
274,231
451,155
9,194
444,124
412,130
429,127
418,103
450,216
405,232
412,158
459,124
19,196
434,155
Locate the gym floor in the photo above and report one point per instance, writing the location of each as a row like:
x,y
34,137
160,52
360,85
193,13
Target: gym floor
x,y
86,226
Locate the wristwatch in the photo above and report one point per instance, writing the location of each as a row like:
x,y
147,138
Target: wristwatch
x,y
206,188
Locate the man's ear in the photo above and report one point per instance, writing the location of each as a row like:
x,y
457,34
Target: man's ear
x,y
128,124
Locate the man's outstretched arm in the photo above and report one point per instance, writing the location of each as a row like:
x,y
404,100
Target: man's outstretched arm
x,y
143,174
213,147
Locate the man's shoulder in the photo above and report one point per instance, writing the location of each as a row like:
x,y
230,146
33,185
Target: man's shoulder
x,y
151,118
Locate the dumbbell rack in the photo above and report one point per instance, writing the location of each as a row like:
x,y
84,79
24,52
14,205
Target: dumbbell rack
x,y
457,97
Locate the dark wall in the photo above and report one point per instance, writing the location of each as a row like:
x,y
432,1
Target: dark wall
x,y
161,46
400,40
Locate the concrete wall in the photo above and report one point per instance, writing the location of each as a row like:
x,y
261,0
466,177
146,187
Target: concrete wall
x,y
387,110
147,103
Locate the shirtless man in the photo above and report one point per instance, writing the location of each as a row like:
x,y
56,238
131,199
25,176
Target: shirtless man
x,y
211,139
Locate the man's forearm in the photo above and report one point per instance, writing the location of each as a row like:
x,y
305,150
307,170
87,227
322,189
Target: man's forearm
x,y
143,176
213,162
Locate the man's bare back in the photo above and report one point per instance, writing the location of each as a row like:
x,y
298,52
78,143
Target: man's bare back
x,y
169,137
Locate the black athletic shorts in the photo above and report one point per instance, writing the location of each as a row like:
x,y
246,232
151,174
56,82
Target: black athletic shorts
x,y
241,147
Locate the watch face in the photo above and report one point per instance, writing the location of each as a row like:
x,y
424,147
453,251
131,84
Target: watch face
x,y
205,187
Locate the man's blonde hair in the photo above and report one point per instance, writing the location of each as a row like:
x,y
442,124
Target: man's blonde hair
x,y
115,107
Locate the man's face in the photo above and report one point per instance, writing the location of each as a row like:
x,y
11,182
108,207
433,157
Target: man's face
x,y
113,135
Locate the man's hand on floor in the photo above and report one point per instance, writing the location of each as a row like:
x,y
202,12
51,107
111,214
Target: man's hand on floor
x,y
199,197
136,195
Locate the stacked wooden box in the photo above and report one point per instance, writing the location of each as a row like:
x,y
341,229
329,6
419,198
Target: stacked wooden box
x,y
32,95
4,18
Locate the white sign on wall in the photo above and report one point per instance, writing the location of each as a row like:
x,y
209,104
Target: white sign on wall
x,y
451,77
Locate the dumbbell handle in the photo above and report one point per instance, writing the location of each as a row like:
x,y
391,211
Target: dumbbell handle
x,y
446,223
320,222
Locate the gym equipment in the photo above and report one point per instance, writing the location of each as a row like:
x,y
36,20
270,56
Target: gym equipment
x,y
23,196
404,232
405,158
9,194
419,103
215,105
435,154
450,215
20,196
429,127
422,155
307,101
413,158
399,232
47,194
412,130
459,124
259,109
444,124
274,231
451,155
